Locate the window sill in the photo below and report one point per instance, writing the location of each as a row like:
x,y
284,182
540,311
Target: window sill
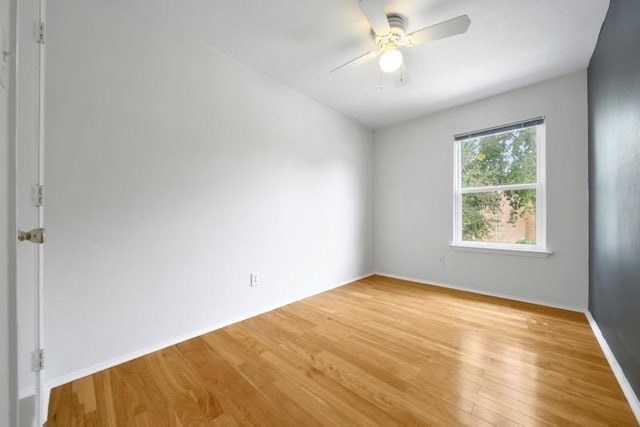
x,y
536,253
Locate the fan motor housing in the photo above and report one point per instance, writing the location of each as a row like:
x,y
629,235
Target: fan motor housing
x,y
395,37
397,23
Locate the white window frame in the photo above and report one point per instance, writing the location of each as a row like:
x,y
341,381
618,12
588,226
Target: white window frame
x,y
540,248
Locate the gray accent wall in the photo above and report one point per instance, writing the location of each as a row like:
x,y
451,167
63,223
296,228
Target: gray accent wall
x,y
614,180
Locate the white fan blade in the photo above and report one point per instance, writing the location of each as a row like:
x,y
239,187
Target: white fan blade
x,y
358,60
444,29
374,12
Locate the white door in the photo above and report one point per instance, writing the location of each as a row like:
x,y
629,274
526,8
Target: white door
x,y
30,211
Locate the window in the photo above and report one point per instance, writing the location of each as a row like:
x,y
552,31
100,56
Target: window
x,y
499,187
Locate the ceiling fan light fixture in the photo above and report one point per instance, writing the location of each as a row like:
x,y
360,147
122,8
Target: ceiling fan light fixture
x,y
391,60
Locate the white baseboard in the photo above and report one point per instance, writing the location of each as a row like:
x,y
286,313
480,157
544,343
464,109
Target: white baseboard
x,y
482,292
615,367
81,373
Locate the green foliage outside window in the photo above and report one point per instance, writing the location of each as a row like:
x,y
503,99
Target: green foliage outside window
x,y
501,159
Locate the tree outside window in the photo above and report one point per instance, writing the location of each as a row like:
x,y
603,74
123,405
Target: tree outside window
x,y
498,187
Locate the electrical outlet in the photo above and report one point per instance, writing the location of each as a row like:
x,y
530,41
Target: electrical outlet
x,y
441,259
254,280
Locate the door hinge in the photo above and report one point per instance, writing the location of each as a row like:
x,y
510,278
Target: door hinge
x,y
39,33
38,195
38,360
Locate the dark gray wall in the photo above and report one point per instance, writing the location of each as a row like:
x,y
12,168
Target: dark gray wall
x,y
614,180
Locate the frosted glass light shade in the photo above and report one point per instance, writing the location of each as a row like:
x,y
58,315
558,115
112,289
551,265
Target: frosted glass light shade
x,y
391,60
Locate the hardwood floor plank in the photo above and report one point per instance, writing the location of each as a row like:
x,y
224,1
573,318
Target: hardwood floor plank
x,y
83,400
493,418
182,387
236,395
141,399
105,399
379,351
60,410
297,365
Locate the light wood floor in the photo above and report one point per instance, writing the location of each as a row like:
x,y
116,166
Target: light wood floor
x,y
376,352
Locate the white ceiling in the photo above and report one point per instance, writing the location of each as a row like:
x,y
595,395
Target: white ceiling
x,y
510,44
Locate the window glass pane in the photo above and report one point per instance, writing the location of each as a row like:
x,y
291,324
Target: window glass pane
x,y
500,159
500,217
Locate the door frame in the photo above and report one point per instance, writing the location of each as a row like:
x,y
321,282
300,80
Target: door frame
x,y
42,401
10,262
29,70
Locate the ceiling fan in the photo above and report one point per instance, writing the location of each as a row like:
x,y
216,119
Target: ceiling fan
x,y
391,35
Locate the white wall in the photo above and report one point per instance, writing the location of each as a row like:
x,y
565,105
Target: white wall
x,y
413,198
7,228
172,172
